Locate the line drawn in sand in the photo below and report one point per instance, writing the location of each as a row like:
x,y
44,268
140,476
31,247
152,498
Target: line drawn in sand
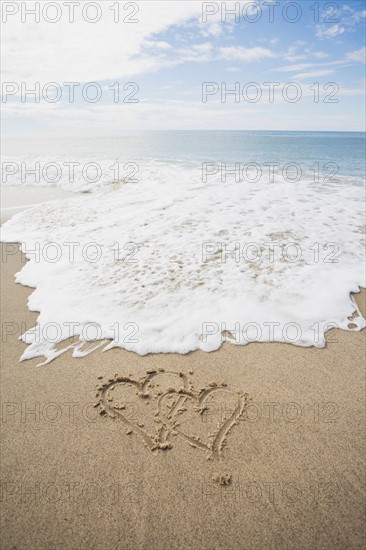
x,y
172,399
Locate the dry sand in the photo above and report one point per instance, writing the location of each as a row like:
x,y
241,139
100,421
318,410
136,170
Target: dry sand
x,y
74,479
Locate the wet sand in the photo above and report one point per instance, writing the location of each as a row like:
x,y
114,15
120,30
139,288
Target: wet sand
x,y
16,199
72,478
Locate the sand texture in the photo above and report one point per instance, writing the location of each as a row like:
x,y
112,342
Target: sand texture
x,y
250,447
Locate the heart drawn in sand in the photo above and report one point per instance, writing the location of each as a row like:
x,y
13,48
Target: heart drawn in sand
x,y
141,393
171,397
217,439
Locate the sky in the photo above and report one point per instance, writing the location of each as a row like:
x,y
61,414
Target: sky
x,y
139,66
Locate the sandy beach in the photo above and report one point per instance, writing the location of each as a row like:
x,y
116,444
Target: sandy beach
x,y
73,478
183,292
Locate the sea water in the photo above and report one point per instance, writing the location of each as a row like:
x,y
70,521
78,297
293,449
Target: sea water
x,y
182,240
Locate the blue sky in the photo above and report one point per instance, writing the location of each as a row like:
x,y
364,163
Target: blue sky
x,y
172,50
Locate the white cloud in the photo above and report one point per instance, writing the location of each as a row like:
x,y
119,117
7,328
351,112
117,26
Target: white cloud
x,y
293,58
313,74
196,52
346,19
357,55
158,44
245,54
212,29
356,16
329,32
316,66
319,55
293,68
82,51
205,47
293,55
214,14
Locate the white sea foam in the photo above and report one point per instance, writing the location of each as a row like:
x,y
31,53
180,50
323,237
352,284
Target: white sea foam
x,y
174,299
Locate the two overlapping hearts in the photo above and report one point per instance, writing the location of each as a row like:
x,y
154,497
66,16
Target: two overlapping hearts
x,y
163,404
